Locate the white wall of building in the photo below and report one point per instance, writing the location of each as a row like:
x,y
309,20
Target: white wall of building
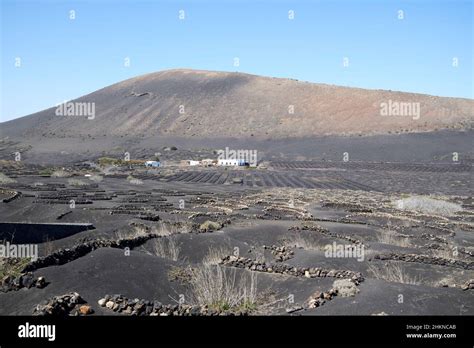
x,y
228,162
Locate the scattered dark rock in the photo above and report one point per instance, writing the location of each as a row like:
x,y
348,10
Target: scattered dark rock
x,y
26,280
71,304
432,260
140,307
281,268
281,253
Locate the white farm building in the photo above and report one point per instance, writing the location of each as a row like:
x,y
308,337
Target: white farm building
x,y
229,162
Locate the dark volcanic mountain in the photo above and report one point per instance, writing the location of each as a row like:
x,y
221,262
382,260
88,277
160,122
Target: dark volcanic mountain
x,y
206,104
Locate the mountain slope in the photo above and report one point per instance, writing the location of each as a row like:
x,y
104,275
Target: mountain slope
x,y
194,103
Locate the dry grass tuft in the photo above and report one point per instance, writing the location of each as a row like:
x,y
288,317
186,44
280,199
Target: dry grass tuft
x,y
96,178
12,267
449,252
215,255
162,230
394,272
48,246
76,182
393,238
182,275
220,290
5,179
135,232
166,248
60,174
428,205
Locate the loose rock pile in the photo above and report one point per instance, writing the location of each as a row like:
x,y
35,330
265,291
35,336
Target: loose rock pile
x,y
11,195
281,253
466,252
320,298
71,304
432,237
281,268
26,280
140,307
341,287
469,285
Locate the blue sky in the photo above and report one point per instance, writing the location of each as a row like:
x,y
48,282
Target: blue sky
x,y
62,59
